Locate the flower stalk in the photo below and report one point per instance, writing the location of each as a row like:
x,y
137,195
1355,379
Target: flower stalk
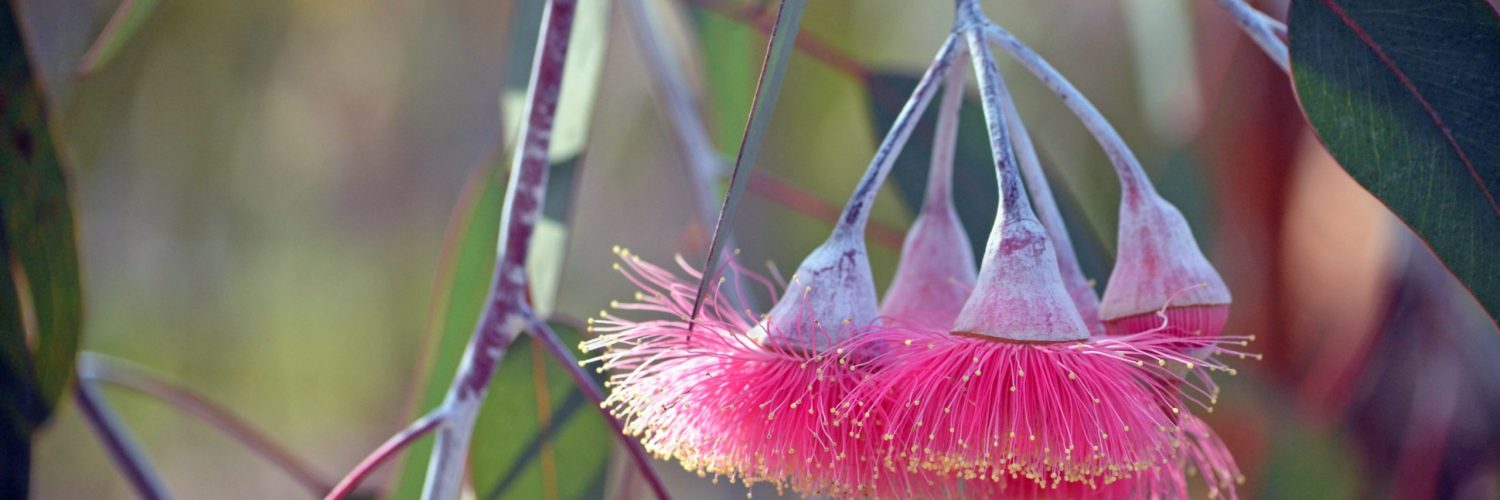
x,y
1158,261
1047,211
1265,31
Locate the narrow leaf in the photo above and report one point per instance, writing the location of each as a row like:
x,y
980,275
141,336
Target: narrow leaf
x,y
42,324
772,70
572,437
1403,94
468,257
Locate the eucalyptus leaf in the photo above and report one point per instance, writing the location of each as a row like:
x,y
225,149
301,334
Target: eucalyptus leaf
x,y
1403,94
41,305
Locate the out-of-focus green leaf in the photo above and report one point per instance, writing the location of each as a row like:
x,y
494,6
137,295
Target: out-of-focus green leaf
x,y
1403,94
41,304
525,452
127,19
470,257
731,45
17,389
1306,462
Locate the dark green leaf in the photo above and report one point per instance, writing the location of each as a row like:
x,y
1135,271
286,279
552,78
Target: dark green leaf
x,y
125,22
39,246
17,389
40,302
1403,93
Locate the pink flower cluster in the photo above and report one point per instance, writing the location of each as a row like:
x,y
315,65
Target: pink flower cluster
x,y
1010,380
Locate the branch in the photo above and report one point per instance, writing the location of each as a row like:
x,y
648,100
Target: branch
x,y
549,339
505,315
385,453
101,368
118,442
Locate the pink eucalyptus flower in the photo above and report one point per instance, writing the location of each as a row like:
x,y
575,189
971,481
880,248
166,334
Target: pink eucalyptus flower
x,y
1017,391
737,396
1160,266
753,398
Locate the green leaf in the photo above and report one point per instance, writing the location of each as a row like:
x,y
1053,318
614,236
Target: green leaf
x,y
39,242
523,452
1403,94
467,260
40,301
126,21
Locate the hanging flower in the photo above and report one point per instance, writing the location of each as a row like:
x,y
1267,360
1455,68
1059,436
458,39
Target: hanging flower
x,y
749,397
1017,389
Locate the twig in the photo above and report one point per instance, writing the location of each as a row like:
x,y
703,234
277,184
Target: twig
x,y
505,314
1266,31
785,193
992,97
101,368
384,453
939,192
1047,211
122,447
549,339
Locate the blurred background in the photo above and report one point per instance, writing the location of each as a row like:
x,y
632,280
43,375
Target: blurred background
x,y
266,192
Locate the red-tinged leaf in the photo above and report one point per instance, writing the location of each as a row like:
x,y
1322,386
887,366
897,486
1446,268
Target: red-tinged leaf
x,y
1403,94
